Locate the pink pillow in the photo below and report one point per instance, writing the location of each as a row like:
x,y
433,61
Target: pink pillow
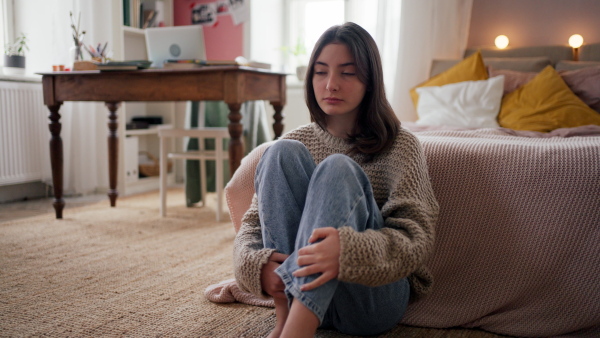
x,y
585,83
512,79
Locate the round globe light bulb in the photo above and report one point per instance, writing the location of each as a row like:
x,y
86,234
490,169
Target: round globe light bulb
x,y
576,41
501,41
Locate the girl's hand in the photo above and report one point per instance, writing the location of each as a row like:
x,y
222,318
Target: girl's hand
x,y
270,281
322,257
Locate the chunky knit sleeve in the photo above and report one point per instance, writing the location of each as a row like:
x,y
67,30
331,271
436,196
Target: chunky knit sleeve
x,y
410,211
249,254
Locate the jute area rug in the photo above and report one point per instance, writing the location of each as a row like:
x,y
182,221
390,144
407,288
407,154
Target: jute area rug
x,y
125,271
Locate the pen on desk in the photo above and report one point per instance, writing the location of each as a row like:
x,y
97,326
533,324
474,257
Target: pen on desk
x,y
88,50
91,48
103,49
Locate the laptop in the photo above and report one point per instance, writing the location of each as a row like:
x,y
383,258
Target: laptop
x,y
178,42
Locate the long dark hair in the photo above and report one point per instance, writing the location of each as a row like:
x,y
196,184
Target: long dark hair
x,y
376,125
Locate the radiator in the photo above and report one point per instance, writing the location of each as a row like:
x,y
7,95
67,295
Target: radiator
x,y
24,132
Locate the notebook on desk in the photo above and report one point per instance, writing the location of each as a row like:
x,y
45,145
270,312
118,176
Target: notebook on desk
x,y
179,42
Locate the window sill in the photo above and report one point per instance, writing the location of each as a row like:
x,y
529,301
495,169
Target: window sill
x,y
21,78
294,83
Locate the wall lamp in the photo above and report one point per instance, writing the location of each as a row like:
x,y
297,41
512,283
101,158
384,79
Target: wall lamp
x,y
501,41
575,41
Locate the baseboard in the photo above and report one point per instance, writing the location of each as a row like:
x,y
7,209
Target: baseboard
x,y
23,191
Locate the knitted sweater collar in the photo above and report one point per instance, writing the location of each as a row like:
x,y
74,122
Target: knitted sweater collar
x,y
337,143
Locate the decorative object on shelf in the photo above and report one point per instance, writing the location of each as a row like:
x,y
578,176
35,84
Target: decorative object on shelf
x,y
75,52
150,166
14,56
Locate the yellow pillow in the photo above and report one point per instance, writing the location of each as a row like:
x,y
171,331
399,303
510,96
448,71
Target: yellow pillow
x,y
470,69
544,104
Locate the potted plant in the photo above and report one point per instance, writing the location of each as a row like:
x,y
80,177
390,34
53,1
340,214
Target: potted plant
x,y
298,51
14,56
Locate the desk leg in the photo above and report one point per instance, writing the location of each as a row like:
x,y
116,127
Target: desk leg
x,y
113,151
56,158
236,144
278,117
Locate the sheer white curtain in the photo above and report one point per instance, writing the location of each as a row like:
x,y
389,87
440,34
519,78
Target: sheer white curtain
x,y
411,33
84,125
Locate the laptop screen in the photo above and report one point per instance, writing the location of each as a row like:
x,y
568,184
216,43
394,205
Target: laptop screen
x,y
179,42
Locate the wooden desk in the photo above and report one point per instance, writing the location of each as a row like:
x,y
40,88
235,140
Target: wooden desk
x,y
231,84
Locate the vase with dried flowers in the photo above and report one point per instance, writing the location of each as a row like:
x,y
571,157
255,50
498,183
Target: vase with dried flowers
x,y
75,52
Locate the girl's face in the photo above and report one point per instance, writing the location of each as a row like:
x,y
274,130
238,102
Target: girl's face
x,y
337,88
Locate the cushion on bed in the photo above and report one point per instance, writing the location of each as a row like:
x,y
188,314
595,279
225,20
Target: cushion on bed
x,y
512,79
469,69
464,104
441,65
589,52
585,83
544,104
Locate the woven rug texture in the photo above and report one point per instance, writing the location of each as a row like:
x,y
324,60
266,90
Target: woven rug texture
x,y
125,271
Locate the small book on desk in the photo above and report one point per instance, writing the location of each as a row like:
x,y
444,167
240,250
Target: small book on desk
x,y
195,63
124,65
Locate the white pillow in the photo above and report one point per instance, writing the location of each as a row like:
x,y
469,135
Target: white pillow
x,y
470,104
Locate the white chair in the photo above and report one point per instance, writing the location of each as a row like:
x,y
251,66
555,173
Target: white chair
x,y
202,155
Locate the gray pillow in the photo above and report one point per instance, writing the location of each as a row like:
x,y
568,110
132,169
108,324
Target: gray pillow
x,y
590,52
574,65
524,64
519,64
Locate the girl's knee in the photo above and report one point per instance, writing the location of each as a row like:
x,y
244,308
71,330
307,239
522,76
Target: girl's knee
x,y
284,152
339,161
340,165
286,147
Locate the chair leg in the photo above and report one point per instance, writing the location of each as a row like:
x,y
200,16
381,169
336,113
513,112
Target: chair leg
x,y
163,177
203,180
219,170
202,174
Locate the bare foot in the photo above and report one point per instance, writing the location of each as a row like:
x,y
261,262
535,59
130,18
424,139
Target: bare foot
x,y
281,314
275,333
301,322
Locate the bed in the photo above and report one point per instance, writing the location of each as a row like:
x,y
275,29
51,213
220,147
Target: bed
x,y
518,239
515,167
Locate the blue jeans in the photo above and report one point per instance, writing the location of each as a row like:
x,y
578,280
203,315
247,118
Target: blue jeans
x,y
296,196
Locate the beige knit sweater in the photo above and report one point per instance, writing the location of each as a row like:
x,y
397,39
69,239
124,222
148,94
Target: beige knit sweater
x,y
403,192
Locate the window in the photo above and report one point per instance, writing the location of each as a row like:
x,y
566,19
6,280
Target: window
x,y
284,23
5,22
306,20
